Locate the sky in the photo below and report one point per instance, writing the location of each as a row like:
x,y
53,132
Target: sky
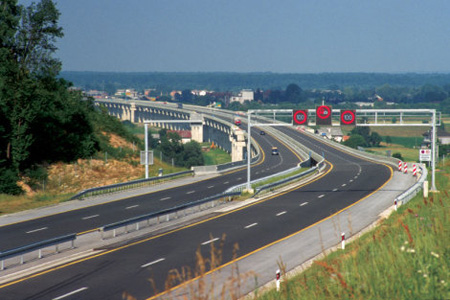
x,y
280,36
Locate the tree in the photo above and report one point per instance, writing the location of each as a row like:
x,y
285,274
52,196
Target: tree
x,y
388,139
192,155
355,141
293,93
375,139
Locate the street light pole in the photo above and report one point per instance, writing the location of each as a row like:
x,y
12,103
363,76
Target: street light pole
x,y
249,139
146,150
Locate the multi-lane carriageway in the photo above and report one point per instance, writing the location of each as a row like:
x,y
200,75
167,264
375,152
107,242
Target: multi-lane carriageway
x,y
128,268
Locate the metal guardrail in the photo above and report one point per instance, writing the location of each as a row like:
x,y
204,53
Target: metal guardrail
x,y
412,191
165,212
21,251
128,184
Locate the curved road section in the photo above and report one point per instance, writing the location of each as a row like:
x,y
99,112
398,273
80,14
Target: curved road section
x,y
91,218
141,268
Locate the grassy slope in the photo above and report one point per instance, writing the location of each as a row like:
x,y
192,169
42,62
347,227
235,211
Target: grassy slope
x,y
406,257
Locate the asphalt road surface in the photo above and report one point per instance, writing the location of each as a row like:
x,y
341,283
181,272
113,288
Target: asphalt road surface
x,y
141,269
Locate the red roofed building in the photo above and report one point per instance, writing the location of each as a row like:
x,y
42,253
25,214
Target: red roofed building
x,y
186,135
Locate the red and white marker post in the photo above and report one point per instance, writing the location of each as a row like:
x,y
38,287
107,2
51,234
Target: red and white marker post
x,y
278,277
405,168
400,165
395,204
343,240
414,170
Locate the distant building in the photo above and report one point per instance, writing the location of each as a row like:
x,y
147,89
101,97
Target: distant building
x,y
127,93
364,104
186,135
243,96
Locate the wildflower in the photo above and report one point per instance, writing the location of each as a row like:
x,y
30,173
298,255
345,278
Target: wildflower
x,y
425,275
406,243
419,271
435,254
402,248
411,251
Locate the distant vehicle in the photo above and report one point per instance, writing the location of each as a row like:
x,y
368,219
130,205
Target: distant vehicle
x,y
179,105
262,132
275,151
237,122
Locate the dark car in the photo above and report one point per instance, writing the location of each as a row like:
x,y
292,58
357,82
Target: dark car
x,y
262,133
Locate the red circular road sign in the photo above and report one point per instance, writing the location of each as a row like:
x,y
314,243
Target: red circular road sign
x,y
348,117
300,117
323,112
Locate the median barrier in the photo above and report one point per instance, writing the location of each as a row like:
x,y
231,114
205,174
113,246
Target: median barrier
x,y
39,246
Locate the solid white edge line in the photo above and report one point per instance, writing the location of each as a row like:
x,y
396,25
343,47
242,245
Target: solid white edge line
x,y
153,262
251,225
90,217
226,182
210,241
281,213
36,230
71,293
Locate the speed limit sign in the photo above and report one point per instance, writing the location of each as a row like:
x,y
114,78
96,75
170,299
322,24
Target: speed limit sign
x,y
300,117
323,115
348,117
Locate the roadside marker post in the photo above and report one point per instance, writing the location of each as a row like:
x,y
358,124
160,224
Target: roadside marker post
x,y
399,165
405,168
277,275
343,240
414,170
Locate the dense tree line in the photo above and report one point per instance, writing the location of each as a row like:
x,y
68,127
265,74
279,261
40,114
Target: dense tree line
x,y
223,82
41,120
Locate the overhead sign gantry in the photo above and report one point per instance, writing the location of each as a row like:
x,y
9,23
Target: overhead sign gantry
x,y
325,115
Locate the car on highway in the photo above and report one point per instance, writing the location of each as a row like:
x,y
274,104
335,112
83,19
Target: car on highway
x,y
275,151
237,122
262,132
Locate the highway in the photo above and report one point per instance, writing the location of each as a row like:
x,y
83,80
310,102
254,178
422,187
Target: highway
x,y
86,219
141,268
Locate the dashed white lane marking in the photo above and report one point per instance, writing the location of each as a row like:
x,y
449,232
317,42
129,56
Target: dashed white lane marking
x,y
251,225
132,206
351,180
210,187
334,190
165,198
90,217
190,192
304,203
240,178
226,182
71,293
355,177
344,184
321,196
36,230
153,262
210,241
281,213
